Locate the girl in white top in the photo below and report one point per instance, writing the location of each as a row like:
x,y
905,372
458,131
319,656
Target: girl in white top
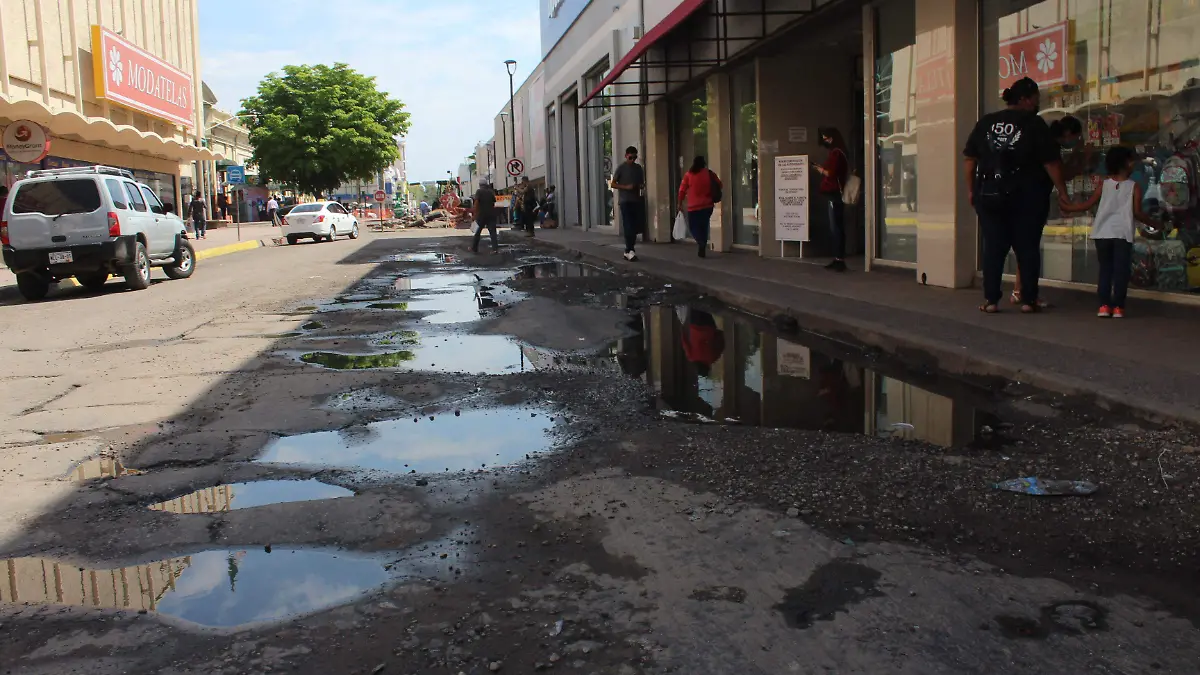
x,y
1120,202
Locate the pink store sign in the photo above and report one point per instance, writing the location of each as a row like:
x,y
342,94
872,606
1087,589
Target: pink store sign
x,y
1040,55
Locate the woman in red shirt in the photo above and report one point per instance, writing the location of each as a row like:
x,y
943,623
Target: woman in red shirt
x,y
698,187
835,171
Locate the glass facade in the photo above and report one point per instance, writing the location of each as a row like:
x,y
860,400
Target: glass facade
x,y
744,180
896,131
600,152
163,184
690,137
1129,70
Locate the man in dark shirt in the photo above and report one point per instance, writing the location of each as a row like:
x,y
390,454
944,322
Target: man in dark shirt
x,y
1011,163
629,180
485,216
529,206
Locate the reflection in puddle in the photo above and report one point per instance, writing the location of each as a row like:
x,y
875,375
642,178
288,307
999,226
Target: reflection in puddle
x,y
363,399
556,269
468,354
427,257
99,467
235,496
468,441
214,588
723,367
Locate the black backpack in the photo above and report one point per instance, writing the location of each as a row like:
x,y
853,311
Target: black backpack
x,y
998,172
714,188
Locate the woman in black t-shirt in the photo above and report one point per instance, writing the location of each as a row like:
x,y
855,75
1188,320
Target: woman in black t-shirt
x,y
1012,162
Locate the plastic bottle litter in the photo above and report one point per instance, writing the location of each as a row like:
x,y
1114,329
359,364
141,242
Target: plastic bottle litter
x,y
1045,488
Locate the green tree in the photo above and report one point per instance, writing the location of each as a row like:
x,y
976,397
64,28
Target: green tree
x,y
317,127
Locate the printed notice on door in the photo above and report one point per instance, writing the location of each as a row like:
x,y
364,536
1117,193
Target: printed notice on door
x,y
791,198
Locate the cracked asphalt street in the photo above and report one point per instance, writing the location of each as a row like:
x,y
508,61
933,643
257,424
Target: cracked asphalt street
x,y
393,456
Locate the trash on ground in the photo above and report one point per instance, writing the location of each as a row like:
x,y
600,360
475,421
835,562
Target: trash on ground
x,y
1044,488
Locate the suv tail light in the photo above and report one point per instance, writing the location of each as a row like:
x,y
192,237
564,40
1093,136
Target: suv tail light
x,y
321,218
283,221
4,232
114,225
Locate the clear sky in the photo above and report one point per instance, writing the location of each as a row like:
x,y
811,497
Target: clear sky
x,y
443,58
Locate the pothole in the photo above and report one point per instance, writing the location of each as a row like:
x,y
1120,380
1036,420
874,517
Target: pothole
x,y
425,257
219,588
468,354
465,441
236,496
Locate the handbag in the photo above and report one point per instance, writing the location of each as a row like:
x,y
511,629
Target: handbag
x,y
714,188
680,231
852,188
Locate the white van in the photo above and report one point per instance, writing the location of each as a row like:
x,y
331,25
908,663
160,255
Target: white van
x,y
89,223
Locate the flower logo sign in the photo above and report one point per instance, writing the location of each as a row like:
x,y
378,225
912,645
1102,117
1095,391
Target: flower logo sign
x,y
1047,54
115,67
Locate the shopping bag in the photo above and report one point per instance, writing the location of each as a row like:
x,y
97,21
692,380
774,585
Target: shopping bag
x,y
680,231
474,227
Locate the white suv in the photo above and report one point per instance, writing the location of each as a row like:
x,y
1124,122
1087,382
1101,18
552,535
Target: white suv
x,y
89,223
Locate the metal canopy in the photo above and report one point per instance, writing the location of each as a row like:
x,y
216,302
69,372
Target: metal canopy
x,y
706,39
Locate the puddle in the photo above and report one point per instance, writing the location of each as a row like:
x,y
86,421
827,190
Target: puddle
x,y
67,437
468,441
558,269
99,467
396,337
724,367
419,258
221,588
235,496
313,325
468,354
362,400
832,588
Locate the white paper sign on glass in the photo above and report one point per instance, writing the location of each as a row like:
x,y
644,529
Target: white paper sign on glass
x,y
791,198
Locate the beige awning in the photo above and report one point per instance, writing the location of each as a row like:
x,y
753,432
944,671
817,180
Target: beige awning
x,y
71,125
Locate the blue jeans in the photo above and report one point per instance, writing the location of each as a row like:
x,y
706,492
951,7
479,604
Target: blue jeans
x,y
698,225
1116,260
200,227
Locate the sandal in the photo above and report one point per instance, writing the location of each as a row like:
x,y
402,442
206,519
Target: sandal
x,y
989,308
1015,299
1032,309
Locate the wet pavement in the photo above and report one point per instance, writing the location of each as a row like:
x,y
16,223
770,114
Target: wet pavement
x,y
470,464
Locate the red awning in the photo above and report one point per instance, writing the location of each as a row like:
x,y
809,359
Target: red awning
x,y
676,17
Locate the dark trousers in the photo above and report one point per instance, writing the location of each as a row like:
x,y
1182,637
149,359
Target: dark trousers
x,y
200,226
698,224
529,220
836,210
633,216
1017,227
488,222
1115,257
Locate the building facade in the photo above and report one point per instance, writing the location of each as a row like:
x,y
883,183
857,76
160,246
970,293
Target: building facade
x,y
110,82
747,84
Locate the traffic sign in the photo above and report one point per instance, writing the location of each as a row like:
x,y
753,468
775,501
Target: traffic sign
x,y
515,167
380,196
235,175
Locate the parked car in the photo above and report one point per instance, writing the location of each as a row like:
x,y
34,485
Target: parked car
x,y
89,223
319,221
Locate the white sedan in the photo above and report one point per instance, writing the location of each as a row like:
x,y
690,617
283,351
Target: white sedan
x,y
319,221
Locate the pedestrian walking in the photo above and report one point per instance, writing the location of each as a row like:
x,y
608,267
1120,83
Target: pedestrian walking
x,y
1120,200
629,180
701,190
273,210
485,216
1011,163
834,172
198,211
223,205
529,207
1066,132
549,216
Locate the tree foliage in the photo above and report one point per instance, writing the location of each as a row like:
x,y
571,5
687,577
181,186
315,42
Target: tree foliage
x,y
317,127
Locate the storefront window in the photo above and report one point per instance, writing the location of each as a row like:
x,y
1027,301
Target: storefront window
x,y
691,135
745,156
600,152
1129,71
896,76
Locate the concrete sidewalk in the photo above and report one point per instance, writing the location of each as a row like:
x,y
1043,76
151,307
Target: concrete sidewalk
x,y
1149,362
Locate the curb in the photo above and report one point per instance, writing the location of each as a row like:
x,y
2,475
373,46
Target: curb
x,y
949,358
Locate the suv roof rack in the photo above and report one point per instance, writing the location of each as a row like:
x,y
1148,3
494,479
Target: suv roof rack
x,y
81,170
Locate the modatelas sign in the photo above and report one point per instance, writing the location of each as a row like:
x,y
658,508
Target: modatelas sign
x,y
130,76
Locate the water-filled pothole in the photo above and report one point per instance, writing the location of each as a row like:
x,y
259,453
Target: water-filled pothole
x,y
235,496
469,354
466,441
220,588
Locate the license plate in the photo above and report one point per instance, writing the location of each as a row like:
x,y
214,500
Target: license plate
x,y
60,257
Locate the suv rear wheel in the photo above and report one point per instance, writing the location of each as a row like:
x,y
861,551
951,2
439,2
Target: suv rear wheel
x,y
93,281
137,274
33,285
185,261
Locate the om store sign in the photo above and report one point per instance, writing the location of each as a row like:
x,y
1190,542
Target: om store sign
x,y
1040,55
132,77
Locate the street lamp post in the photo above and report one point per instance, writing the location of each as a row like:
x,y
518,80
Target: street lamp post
x,y
511,66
